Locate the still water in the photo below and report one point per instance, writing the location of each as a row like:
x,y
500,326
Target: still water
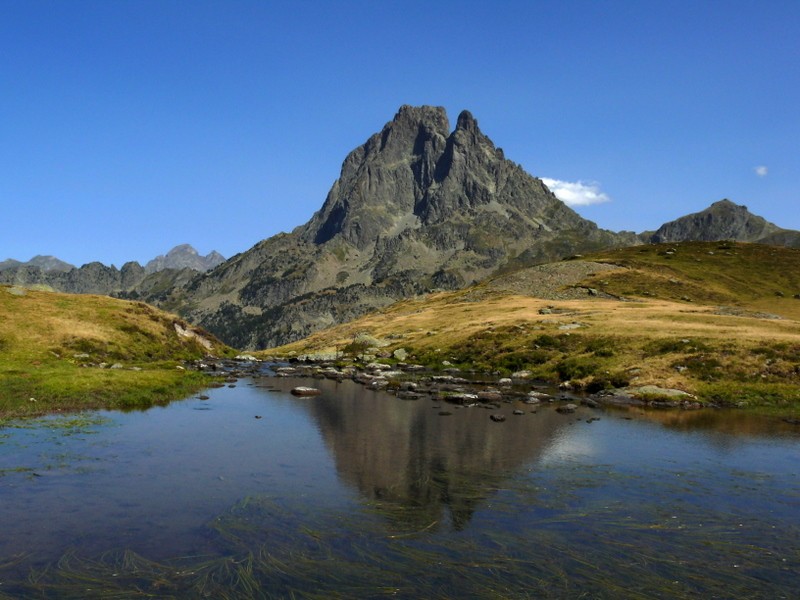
x,y
356,494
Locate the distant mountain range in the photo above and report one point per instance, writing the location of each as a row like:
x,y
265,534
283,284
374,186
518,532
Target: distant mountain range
x,y
417,207
179,265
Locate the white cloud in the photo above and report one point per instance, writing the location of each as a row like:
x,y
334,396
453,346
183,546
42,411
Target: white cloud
x,y
761,170
576,193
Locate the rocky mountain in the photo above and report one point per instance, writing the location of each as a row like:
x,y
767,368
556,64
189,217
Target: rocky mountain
x,y
723,220
45,263
416,207
184,256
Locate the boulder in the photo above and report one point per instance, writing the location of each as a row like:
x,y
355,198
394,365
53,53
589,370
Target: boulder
x,y
305,391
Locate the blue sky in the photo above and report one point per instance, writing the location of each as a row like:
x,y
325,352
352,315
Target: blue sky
x,y
128,127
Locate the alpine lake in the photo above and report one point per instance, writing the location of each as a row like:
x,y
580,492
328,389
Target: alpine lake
x,y
251,492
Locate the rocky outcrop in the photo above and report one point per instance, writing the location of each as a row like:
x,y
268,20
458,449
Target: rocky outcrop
x,y
416,207
723,220
184,256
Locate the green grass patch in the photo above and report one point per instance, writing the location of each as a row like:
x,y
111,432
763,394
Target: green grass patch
x,y
767,398
66,387
53,347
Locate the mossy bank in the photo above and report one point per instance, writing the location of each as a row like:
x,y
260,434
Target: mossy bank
x,y
66,352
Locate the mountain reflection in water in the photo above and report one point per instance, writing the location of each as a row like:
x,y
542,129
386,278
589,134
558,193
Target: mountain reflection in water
x,y
419,466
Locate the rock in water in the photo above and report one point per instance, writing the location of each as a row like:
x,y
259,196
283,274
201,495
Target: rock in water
x,y
305,391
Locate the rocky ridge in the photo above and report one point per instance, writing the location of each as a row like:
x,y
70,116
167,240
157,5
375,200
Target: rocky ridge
x,y
45,263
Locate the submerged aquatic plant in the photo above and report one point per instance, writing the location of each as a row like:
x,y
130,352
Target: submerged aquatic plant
x,y
545,537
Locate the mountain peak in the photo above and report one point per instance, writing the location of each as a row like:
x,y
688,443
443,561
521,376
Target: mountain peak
x,y
466,121
720,221
417,206
184,256
44,262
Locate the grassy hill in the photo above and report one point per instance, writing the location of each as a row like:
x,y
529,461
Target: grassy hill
x,y
720,320
70,352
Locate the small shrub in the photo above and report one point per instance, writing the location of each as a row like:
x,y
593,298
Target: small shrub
x,y
608,381
702,367
657,347
576,367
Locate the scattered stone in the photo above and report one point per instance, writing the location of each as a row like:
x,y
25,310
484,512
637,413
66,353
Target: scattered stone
x,y
519,412
497,418
400,354
461,398
247,357
567,408
376,366
305,391
505,381
378,383
490,396
521,375
654,390
445,413
203,397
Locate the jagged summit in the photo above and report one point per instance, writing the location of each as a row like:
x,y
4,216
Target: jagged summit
x,y
184,256
415,172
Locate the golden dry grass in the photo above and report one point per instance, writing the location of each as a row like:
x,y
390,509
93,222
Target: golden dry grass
x,y
754,353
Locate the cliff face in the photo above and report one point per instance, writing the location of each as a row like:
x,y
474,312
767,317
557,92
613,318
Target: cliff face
x,y
415,207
